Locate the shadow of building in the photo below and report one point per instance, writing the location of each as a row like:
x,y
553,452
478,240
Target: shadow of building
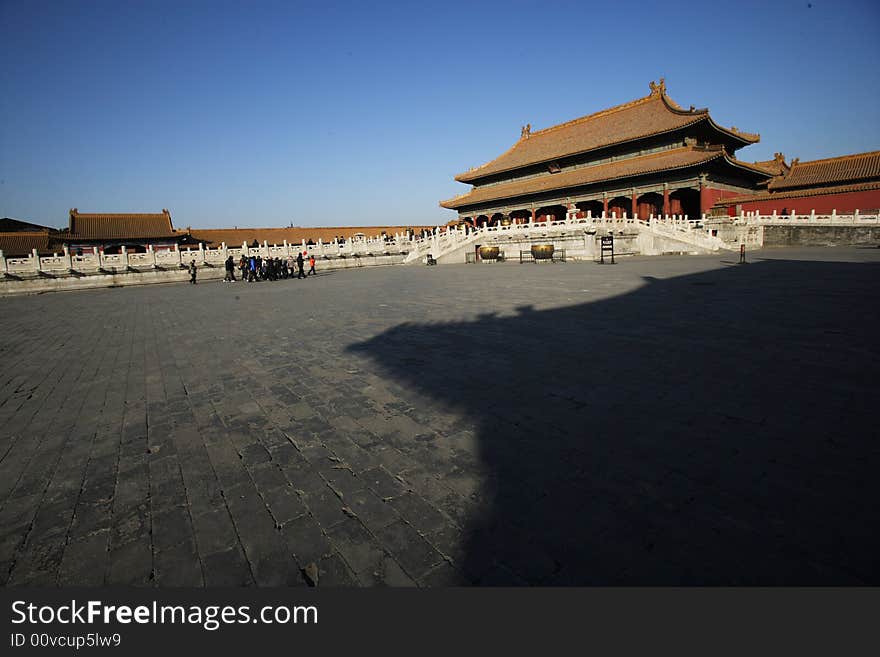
x,y
715,428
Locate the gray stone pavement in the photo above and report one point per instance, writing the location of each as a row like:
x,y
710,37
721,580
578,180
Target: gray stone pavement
x,y
667,420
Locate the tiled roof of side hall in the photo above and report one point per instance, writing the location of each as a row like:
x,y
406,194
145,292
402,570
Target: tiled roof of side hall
x,y
651,115
859,167
22,243
677,158
235,237
106,226
798,193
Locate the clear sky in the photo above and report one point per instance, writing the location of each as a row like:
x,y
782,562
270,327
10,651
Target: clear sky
x,y
337,113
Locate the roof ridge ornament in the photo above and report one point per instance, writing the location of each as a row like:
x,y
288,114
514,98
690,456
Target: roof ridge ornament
x,y
657,89
526,131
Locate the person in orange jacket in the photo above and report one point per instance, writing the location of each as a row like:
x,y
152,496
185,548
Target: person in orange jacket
x,y
312,266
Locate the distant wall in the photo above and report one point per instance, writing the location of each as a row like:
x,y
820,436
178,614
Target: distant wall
x,y
782,236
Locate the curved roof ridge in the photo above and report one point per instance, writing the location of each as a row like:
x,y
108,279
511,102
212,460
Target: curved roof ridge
x,y
851,156
747,165
594,115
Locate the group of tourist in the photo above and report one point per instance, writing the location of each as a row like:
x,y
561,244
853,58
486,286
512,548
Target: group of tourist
x,y
256,268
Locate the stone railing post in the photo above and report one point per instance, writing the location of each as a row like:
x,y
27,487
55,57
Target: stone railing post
x,y
3,266
124,257
36,261
179,255
201,253
225,251
67,261
152,253
856,215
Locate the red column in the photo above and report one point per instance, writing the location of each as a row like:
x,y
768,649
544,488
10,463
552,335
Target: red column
x,y
704,198
605,205
665,201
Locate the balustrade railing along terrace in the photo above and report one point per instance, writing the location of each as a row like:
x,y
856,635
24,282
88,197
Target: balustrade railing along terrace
x,y
438,242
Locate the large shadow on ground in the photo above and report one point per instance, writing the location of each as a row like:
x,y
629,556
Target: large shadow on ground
x,y
717,428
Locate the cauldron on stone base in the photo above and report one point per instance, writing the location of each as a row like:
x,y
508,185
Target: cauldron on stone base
x,y
489,252
543,251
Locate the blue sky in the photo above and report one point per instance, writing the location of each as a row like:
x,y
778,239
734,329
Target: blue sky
x,y
335,113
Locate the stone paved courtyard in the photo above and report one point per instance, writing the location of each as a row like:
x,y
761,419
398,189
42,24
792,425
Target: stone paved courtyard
x,y
667,420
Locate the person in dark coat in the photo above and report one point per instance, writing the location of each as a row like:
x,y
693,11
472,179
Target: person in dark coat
x,y
299,265
192,272
230,270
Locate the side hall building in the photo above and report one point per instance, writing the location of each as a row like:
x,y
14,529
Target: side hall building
x,y
109,232
648,156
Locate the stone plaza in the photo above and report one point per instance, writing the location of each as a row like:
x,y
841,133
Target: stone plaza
x,y
663,420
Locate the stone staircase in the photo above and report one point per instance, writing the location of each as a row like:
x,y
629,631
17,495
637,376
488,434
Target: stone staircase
x,y
682,230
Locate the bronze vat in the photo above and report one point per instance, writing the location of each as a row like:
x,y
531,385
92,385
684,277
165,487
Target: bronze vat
x,y
489,252
543,251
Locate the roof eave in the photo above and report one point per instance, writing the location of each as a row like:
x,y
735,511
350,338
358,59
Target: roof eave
x,y
590,150
718,155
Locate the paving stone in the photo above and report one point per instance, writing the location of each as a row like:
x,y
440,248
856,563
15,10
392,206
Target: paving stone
x,y
326,506
382,483
179,565
215,531
227,568
419,513
284,503
372,510
171,527
360,550
131,564
305,540
333,572
413,552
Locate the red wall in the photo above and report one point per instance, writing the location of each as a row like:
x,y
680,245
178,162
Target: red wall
x,y
824,204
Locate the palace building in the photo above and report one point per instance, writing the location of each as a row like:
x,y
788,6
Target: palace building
x,y
648,156
108,233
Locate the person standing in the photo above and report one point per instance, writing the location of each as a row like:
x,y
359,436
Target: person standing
x,y
312,266
192,272
299,265
230,270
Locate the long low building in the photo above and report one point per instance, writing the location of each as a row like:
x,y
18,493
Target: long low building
x,y
214,237
109,232
648,156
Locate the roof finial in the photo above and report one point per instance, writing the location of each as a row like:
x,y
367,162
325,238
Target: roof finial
x,y
526,131
658,88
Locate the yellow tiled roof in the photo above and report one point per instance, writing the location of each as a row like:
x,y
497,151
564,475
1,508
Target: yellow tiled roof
x,y
651,115
107,226
860,167
235,237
